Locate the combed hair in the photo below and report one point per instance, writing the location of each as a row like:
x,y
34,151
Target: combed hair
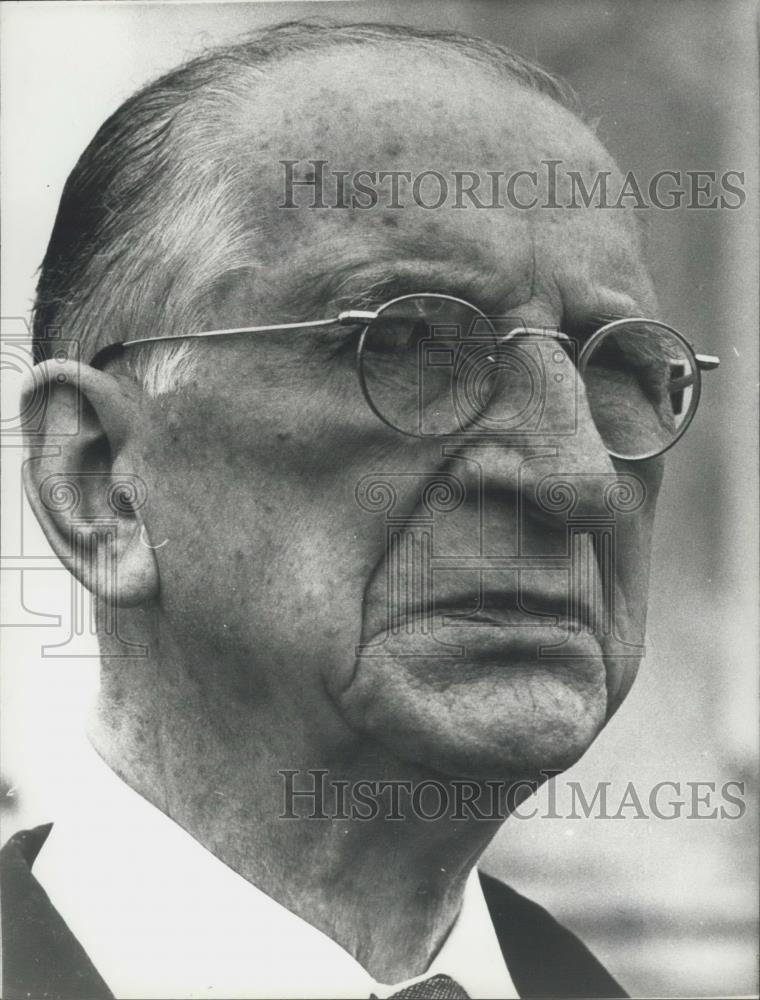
x,y
150,219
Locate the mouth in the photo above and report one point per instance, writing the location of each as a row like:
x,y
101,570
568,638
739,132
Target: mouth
x,y
512,627
514,608
496,608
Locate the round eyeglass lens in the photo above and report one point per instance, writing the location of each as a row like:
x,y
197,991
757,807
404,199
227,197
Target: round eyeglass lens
x,y
427,364
642,385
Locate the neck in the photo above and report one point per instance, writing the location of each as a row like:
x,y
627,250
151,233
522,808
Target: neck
x,y
387,890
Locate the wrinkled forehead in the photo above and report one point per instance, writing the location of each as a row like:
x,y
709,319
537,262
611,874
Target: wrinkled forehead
x,y
404,111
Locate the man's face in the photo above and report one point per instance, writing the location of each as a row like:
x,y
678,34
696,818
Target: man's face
x,y
278,566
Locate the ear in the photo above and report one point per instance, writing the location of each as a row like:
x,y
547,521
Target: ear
x,y
88,497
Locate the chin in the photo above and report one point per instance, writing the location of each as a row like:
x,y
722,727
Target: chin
x,y
500,718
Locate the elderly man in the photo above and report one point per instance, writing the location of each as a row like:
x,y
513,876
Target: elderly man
x,y
363,481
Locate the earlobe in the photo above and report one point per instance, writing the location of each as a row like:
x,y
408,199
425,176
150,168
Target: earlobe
x,y
89,500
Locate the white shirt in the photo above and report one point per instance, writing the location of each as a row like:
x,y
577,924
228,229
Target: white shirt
x,y
160,916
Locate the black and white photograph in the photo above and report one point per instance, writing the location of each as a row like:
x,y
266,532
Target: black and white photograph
x,y
380,605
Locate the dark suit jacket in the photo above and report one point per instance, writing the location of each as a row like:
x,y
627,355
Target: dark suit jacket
x,y
42,959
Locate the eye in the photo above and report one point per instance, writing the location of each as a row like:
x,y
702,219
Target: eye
x,y
337,341
640,381
642,361
396,336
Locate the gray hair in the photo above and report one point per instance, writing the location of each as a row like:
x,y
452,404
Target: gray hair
x,y
149,221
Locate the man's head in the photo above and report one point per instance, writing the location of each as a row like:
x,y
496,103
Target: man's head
x,y
271,594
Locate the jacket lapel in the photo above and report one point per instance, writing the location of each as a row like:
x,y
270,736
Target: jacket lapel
x,y
543,958
41,957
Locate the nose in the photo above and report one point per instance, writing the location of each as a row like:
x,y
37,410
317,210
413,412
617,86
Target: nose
x,y
540,441
549,488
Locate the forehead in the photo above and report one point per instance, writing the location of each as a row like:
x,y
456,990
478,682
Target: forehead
x,y
398,108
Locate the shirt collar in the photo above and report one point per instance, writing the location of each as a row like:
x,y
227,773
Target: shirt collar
x,y
161,916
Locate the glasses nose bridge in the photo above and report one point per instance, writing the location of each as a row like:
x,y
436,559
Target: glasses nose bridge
x,y
515,332
558,353
556,411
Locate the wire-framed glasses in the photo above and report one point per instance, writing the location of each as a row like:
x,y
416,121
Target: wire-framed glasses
x,y
432,365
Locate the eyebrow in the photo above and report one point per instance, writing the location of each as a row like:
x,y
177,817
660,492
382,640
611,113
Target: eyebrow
x,y
346,277
365,284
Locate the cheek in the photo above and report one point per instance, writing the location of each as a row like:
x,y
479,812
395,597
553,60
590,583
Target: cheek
x,y
633,536
268,551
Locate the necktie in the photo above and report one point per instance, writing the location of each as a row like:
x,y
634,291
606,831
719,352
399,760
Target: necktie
x,y
435,988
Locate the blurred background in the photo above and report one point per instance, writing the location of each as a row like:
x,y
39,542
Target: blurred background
x,y
670,906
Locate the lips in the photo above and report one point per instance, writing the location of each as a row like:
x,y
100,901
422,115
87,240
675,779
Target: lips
x,y
505,609
528,607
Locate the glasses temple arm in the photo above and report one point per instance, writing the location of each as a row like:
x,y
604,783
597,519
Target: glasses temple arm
x,y
349,318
